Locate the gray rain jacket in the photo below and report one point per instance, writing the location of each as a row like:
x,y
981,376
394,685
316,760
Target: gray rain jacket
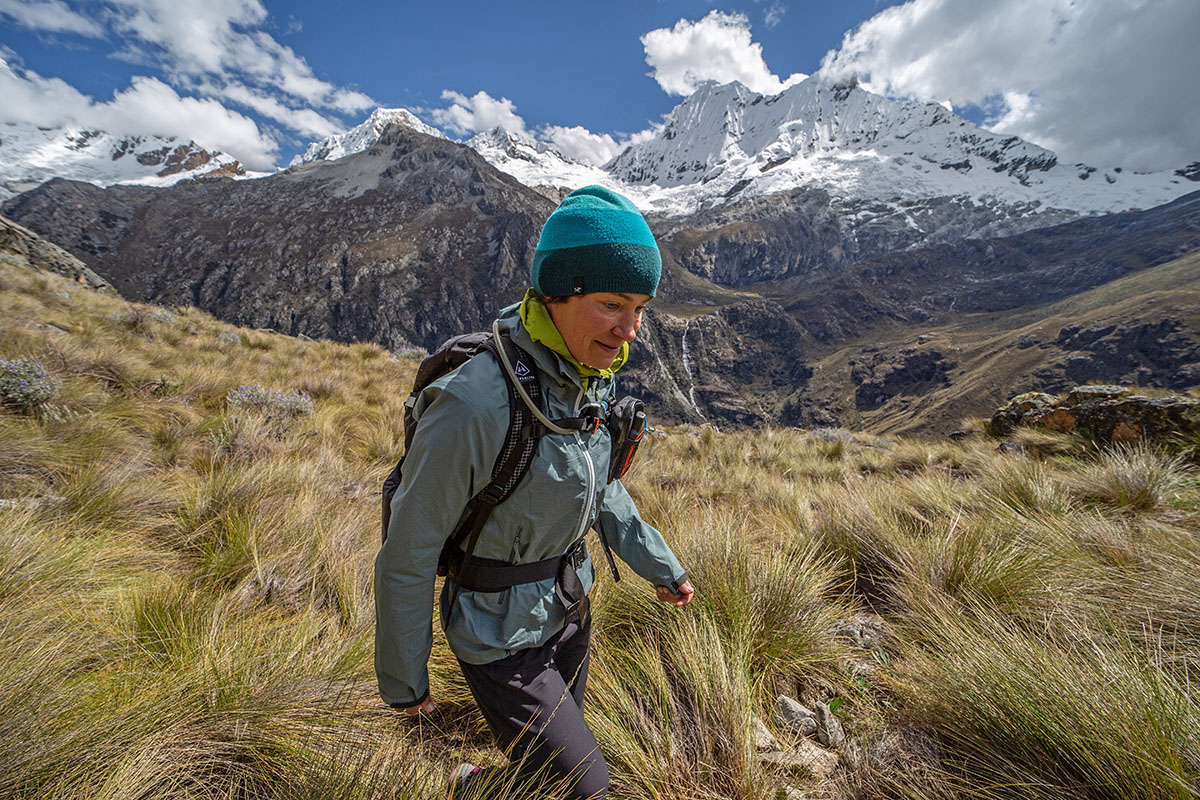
x,y
463,418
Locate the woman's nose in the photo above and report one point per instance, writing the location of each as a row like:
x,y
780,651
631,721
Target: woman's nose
x,y
627,326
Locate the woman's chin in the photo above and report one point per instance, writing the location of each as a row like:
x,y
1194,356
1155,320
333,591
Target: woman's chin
x,y
600,358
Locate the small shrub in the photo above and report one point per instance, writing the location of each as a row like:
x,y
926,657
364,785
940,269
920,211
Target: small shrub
x,y
272,401
831,435
229,339
26,385
412,353
133,319
164,315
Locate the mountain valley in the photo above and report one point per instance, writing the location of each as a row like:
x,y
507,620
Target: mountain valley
x,y
900,307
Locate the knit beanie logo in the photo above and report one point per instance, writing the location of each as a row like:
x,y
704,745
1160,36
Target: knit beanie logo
x,y
596,241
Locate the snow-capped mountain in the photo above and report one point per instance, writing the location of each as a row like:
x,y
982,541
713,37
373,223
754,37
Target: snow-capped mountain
x,y
725,141
362,136
533,163
30,155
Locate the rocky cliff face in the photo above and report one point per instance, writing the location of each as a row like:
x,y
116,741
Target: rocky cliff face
x,y
804,233
928,284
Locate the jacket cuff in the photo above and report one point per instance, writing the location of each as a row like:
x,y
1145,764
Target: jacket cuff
x,y
678,581
416,702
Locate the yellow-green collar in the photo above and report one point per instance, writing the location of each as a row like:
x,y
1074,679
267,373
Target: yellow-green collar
x,y
538,322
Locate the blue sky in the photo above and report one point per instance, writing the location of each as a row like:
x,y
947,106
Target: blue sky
x,y
1110,81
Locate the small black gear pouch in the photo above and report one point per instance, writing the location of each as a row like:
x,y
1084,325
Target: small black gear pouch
x,y
626,426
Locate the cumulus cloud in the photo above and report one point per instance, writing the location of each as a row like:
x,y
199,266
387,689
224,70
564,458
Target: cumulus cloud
x,y
51,16
305,121
1109,82
479,112
718,47
148,106
580,144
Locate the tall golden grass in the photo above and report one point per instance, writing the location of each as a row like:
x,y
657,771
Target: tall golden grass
x,y
186,605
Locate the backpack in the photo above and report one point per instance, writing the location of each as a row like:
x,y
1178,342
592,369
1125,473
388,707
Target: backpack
x,y
626,421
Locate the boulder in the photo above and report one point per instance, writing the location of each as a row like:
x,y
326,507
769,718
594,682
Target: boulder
x,y
1081,394
763,740
790,715
829,728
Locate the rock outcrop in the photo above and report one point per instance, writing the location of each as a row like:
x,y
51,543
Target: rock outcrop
x,y
35,252
1108,414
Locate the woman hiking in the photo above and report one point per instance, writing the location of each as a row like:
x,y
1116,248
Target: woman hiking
x,y
523,646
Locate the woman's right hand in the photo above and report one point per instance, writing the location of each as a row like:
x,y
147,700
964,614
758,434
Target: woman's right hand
x,y
427,707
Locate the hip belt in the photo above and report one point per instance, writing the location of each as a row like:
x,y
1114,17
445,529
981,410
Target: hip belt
x,y
493,575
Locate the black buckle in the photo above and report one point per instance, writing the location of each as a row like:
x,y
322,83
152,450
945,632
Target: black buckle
x,y
491,495
592,415
576,556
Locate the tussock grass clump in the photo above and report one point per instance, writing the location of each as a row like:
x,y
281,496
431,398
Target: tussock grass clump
x,y
1137,478
185,588
1051,716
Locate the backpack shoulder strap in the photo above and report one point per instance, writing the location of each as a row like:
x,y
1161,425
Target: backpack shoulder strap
x,y
516,454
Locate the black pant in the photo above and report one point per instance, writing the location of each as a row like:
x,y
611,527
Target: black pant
x,y
533,702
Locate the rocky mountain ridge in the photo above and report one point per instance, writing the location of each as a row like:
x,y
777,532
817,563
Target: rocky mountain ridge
x,y
417,237
726,143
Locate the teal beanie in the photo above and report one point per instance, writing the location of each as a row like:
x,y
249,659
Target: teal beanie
x,y
595,241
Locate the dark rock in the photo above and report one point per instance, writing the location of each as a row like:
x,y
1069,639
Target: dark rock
x,y
1021,410
864,630
1010,448
882,375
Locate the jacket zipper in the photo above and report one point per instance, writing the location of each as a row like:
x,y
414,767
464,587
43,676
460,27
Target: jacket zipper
x,y
591,484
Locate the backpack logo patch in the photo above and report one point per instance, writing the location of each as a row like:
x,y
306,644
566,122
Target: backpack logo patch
x,y
523,372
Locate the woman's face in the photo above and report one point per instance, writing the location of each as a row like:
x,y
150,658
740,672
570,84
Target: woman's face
x,y
595,325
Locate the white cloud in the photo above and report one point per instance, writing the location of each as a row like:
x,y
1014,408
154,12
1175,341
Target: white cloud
x,y
216,50
51,16
480,112
774,14
148,106
305,121
1109,82
216,41
580,144
718,47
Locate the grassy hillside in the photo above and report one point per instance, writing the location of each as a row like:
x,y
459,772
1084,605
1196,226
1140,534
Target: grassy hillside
x,y
186,566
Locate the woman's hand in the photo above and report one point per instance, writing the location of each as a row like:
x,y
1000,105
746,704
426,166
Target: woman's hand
x,y
427,707
680,598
